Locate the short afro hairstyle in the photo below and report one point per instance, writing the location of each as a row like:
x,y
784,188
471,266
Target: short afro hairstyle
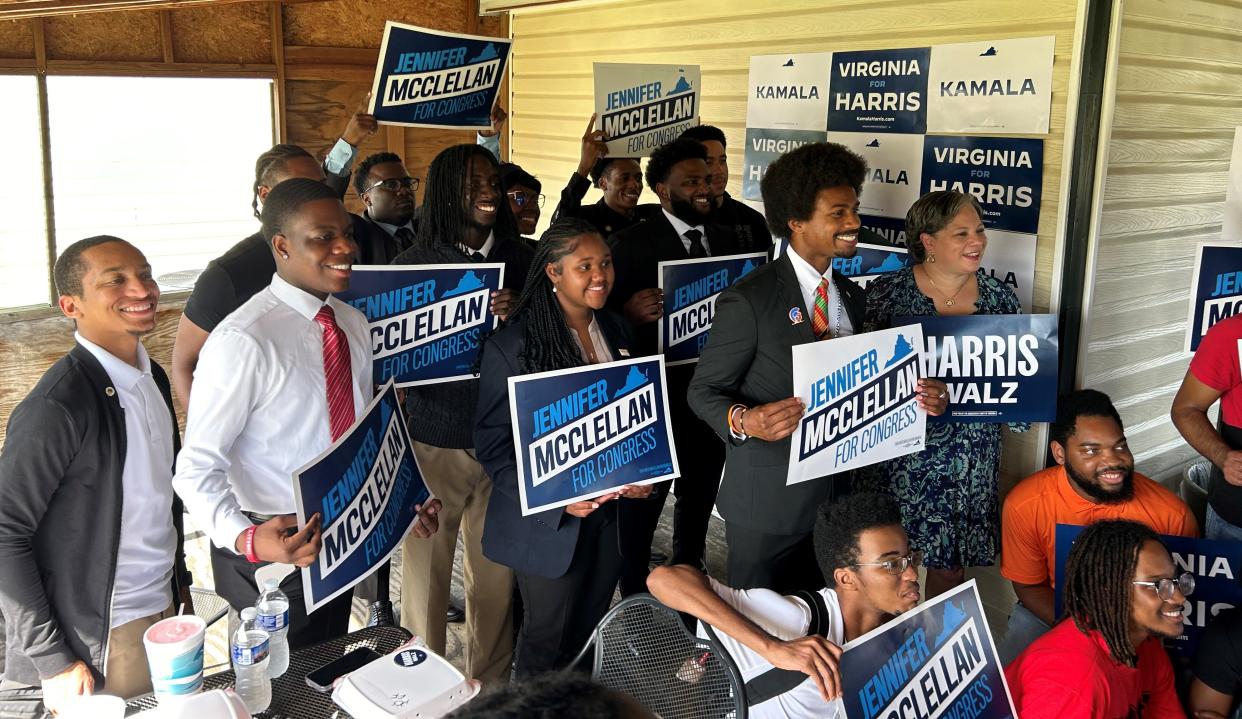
x,y
796,178
70,267
512,175
1080,403
838,525
362,176
602,164
286,198
706,133
555,695
665,156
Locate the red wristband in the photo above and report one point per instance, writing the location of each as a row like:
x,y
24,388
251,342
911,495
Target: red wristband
x,y
249,545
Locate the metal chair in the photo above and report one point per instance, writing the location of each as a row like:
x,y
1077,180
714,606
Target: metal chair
x,y
643,648
208,605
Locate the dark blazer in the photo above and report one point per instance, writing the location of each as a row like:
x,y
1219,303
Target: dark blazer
x,y
637,252
748,360
60,518
541,544
375,245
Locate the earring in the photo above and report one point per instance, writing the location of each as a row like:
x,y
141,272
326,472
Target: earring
x,y
931,258
286,255
554,290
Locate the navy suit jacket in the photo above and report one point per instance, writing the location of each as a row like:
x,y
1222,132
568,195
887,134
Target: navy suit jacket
x,y
540,544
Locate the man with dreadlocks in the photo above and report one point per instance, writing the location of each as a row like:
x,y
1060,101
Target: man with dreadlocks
x,y
1105,660
247,267
464,220
566,559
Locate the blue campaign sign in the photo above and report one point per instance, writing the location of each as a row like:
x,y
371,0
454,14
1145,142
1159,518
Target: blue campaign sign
x,y
690,291
428,78
1215,564
763,146
889,230
1006,176
365,487
999,368
871,261
583,432
1216,293
879,91
936,660
426,320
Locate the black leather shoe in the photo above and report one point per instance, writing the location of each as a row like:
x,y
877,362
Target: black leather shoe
x,y
380,615
455,614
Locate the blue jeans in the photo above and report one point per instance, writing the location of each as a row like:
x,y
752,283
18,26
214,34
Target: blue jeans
x,y
1023,628
1217,528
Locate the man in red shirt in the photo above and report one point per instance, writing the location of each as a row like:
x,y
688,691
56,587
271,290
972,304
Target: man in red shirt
x,y
1105,660
1093,480
1214,374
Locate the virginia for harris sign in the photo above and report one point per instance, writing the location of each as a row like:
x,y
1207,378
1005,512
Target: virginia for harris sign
x,y
427,78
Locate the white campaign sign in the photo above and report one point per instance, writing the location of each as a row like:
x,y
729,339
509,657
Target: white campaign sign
x,y
1010,258
641,107
894,170
995,87
788,92
861,398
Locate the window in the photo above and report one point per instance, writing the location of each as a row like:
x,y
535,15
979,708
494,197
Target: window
x,y
24,274
166,163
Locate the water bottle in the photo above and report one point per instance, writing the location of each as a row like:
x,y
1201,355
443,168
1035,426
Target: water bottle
x,y
250,650
273,618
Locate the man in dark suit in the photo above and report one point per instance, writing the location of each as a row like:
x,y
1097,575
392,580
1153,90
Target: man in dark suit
x,y
747,223
386,227
677,173
90,529
743,385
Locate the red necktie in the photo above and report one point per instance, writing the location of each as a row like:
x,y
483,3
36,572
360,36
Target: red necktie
x,y
336,373
819,315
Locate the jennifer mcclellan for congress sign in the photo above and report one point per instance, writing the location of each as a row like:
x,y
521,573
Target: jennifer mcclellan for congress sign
x,y
582,432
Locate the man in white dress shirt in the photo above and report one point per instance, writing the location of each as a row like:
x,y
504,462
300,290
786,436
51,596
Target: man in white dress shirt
x,y
278,381
90,530
871,575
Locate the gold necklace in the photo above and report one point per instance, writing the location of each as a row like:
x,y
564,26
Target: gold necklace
x,y
948,299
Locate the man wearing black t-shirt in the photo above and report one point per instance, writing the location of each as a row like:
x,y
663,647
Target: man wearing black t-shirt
x,y
748,224
1218,667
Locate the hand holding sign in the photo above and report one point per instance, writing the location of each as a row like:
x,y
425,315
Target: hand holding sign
x,y
362,123
594,146
498,118
277,540
645,306
772,421
502,302
933,396
815,657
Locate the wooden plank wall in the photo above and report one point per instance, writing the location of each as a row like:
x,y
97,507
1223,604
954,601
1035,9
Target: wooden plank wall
x,y
324,52
1178,99
552,78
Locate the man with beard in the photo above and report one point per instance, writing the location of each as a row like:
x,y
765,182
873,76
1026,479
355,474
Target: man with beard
x,y
620,179
1094,480
787,659
387,191
677,173
464,220
748,224
743,385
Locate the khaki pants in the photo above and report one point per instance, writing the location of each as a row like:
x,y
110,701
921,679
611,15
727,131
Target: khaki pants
x,y
457,479
127,674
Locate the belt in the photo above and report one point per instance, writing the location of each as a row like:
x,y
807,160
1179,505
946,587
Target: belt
x,y
259,518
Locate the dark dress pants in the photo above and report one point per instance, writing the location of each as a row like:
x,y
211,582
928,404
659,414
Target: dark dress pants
x,y
234,576
783,563
560,614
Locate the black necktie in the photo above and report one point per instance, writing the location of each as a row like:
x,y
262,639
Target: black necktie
x,y
404,238
478,257
696,244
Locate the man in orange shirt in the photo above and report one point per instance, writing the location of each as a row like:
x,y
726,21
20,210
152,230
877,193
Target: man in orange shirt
x,y
1094,480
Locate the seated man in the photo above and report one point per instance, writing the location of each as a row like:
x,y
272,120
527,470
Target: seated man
x,y
1094,480
1105,660
871,575
1218,667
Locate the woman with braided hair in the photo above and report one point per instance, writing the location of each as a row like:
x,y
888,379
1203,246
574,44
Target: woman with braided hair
x,y
1105,660
566,559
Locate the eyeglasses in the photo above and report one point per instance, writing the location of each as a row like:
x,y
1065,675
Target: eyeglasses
x,y
393,184
521,198
898,565
1164,587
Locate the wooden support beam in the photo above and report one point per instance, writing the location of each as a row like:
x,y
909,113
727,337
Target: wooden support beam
x,y
159,69
394,139
19,9
280,97
166,35
472,17
40,46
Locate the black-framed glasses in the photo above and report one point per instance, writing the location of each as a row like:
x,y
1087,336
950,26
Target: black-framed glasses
x,y
1185,583
521,198
898,565
393,184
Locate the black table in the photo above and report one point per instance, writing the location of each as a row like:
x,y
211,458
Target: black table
x,y
291,696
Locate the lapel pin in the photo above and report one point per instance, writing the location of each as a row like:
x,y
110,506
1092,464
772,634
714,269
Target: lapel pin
x,y
795,315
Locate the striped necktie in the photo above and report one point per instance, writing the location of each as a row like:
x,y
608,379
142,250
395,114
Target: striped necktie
x,y
819,318
336,373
